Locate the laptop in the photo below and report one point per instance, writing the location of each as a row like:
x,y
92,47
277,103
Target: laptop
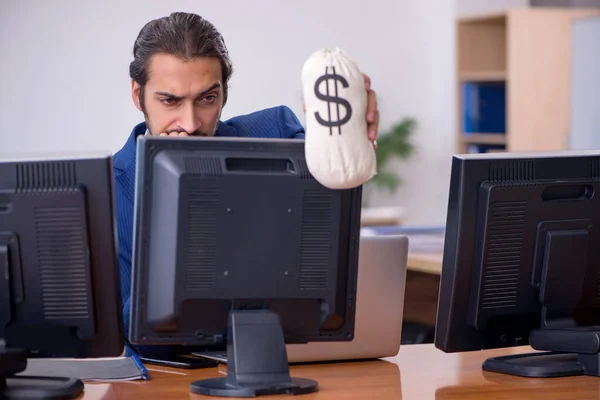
x,y
379,307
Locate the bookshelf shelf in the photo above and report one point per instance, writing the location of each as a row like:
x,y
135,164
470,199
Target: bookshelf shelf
x,y
484,138
513,76
487,17
483,76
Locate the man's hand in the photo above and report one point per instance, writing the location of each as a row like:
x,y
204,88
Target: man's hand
x,y
175,133
372,112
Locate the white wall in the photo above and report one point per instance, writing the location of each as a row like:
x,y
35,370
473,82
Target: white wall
x,y
585,85
64,71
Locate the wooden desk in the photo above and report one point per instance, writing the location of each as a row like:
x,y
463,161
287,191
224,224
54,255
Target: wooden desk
x,y
425,250
417,372
430,263
422,287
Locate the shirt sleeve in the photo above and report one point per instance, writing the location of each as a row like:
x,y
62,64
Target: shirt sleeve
x,y
289,125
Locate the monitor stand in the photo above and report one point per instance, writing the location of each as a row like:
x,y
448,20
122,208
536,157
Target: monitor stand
x,y
13,361
566,347
257,361
565,352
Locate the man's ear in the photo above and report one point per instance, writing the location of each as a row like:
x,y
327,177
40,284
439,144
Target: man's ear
x,y
135,94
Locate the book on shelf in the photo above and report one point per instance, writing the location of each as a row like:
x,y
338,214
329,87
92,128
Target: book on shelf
x,y
485,148
484,107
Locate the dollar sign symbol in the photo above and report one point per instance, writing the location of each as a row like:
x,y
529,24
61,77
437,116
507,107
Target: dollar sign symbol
x,y
338,122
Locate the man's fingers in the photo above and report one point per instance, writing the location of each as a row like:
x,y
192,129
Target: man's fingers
x,y
372,115
371,106
372,112
373,127
174,133
367,82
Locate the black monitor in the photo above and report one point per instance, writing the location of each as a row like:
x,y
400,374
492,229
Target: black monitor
x,y
236,244
521,262
59,276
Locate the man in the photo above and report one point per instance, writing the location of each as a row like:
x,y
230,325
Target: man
x,y
180,76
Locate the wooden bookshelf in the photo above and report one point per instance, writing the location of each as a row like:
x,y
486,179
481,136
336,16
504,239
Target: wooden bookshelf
x,y
483,76
484,138
529,51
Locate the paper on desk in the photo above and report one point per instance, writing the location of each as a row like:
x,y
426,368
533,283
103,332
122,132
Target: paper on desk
x,y
87,369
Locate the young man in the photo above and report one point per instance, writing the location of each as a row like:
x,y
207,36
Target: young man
x,y
180,74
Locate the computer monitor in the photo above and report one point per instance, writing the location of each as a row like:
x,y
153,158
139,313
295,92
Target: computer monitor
x,y
521,262
60,287
236,244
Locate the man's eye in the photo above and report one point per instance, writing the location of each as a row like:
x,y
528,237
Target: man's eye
x,y
168,101
210,98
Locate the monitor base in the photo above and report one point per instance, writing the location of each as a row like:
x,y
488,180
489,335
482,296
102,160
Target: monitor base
x,y
548,364
41,387
13,361
221,387
257,361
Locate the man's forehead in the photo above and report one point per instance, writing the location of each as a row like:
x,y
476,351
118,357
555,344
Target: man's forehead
x,y
196,73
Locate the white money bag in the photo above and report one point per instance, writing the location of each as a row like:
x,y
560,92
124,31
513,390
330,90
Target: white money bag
x,y
338,152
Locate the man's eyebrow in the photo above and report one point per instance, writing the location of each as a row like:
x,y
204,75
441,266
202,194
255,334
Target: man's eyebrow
x,y
214,86
169,95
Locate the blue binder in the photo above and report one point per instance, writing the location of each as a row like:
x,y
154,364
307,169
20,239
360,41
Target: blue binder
x,y
484,107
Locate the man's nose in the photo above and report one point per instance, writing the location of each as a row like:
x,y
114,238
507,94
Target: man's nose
x,y
188,121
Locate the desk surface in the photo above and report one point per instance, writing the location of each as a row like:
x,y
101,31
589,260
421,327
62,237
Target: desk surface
x,y
425,245
426,250
430,263
417,372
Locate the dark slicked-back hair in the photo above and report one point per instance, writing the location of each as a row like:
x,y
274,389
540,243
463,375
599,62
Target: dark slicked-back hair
x,y
183,35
